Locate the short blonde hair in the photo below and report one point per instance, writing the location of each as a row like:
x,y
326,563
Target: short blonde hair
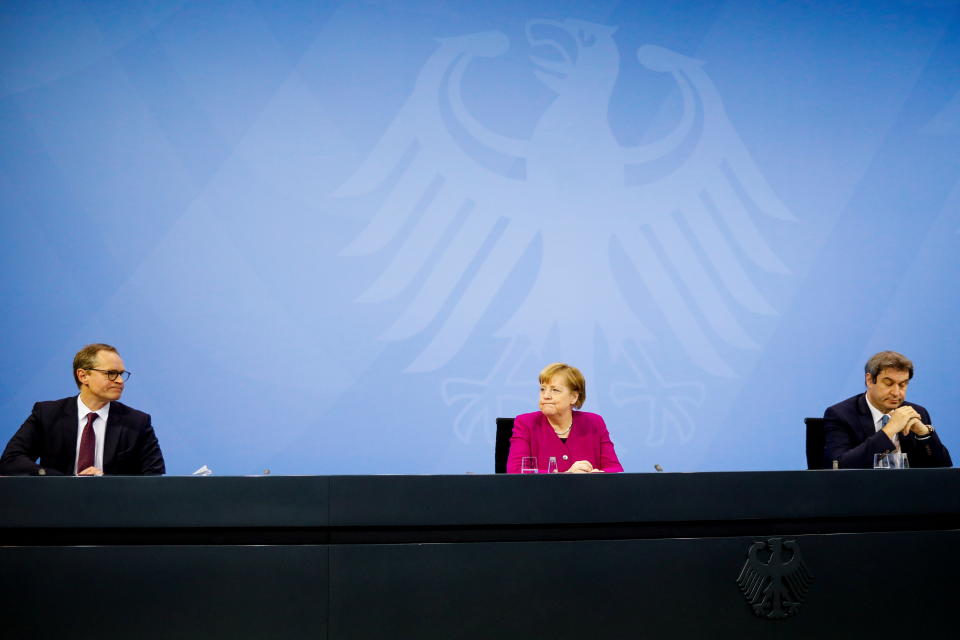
x,y
571,377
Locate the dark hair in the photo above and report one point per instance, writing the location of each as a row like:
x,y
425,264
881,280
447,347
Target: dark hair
x,y
888,360
86,358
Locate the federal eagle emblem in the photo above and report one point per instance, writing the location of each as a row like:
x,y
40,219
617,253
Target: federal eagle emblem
x,y
775,585
634,242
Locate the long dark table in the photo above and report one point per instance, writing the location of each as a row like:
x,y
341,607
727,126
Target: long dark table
x,y
481,556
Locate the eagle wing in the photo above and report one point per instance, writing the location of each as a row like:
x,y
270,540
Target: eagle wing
x,y
696,238
796,576
753,578
437,200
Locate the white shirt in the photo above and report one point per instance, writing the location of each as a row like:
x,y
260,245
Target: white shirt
x,y
99,429
877,424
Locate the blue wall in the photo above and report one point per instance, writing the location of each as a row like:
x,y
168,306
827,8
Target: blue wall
x,y
343,237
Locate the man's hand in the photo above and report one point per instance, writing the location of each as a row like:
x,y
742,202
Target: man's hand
x,y
91,471
900,420
916,426
580,466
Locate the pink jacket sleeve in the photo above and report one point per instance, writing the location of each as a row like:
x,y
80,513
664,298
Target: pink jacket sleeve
x,y
519,444
608,456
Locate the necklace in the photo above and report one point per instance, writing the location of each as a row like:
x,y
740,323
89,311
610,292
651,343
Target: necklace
x,y
560,434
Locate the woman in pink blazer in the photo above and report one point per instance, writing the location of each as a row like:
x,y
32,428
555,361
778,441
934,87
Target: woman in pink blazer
x,y
577,439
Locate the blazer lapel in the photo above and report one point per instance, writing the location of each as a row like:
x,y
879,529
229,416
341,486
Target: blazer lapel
x,y
111,436
69,424
867,428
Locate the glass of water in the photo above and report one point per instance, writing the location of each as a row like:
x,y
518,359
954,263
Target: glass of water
x,y
891,460
528,464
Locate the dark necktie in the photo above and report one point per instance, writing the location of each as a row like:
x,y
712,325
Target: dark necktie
x,y
88,445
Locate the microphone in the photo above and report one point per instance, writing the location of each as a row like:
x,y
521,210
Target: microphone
x,y
658,468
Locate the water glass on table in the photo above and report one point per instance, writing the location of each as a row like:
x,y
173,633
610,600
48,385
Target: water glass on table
x,y
528,464
890,460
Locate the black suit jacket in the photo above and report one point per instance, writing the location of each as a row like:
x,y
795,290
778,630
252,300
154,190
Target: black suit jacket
x,y
130,446
851,437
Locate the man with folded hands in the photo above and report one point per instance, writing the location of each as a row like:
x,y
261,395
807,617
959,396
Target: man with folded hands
x,y
881,421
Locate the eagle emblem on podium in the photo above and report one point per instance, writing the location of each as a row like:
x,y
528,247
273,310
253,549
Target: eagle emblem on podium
x,y
774,578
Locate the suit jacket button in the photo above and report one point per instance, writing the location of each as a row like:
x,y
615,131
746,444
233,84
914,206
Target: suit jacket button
x,y
565,456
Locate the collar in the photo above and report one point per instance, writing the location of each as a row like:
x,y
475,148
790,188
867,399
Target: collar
x,y
875,413
83,410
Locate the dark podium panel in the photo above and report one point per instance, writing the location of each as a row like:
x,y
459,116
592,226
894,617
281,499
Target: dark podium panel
x,y
481,557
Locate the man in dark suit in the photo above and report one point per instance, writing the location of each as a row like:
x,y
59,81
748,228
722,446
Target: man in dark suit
x,y
881,421
90,434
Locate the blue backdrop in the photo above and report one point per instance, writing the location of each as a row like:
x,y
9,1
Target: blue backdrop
x,y
342,237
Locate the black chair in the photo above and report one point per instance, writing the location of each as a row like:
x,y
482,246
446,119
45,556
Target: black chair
x,y
815,442
504,431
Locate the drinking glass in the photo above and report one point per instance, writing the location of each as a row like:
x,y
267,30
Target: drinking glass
x,y
528,464
891,460
552,465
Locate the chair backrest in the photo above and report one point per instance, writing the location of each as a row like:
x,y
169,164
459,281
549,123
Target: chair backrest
x,y
815,442
504,431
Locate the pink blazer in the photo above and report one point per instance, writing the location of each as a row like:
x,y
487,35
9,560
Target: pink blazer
x,y
588,440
